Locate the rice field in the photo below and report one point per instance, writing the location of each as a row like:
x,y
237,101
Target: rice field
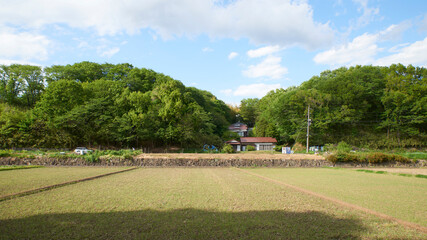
x,y
210,203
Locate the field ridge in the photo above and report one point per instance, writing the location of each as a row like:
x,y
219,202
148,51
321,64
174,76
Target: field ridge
x,y
32,191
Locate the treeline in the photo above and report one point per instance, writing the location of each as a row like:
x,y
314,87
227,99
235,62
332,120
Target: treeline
x,y
365,106
108,105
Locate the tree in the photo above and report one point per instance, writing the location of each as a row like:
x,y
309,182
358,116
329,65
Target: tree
x,y
60,97
405,101
248,111
21,85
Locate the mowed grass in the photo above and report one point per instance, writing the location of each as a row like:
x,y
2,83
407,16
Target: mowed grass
x,y
27,179
402,198
186,203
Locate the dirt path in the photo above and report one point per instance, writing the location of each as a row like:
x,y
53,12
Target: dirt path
x,y
342,203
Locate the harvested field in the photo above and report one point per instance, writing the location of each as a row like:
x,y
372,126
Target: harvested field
x,y
203,203
27,179
400,197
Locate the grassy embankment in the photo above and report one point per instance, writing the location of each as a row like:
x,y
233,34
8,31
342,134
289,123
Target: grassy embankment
x,y
207,203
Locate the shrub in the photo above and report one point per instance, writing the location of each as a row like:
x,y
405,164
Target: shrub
x,y
4,153
251,148
344,157
278,148
298,147
128,156
332,158
343,147
399,158
378,157
329,147
227,148
92,156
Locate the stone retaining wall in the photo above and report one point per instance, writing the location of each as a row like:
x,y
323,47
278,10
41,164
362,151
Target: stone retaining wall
x,y
180,162
162,162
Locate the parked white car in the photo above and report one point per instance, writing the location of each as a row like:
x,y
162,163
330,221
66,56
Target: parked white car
x,y
82,150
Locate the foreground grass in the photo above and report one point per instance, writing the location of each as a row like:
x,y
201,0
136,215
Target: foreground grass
x,y
403,198
186,203
28,179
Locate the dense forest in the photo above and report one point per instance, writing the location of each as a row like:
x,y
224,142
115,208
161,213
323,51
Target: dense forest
x,y
105,105
365,106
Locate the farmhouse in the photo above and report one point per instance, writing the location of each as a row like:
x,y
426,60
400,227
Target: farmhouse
x,y
239,128
260,143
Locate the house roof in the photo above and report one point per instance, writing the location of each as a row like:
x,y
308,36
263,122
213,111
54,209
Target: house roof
x,y
233,142
238,126
258,140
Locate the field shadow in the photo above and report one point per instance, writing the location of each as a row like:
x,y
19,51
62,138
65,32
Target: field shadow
x,y
182,224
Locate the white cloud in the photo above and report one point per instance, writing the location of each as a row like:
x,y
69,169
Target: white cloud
x,y
274,22
258,90
21,62
109,52
368,13
207,49
227,92
423,24
270,67
232,55
394,32
415,54
24,46
264,51
362,50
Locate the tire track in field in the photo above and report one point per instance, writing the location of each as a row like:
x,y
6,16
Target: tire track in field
x,y
42,189
342,203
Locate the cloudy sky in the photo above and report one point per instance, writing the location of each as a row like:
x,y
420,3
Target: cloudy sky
x,y
233,48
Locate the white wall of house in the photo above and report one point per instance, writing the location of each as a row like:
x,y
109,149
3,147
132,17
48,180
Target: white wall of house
x,y
264,146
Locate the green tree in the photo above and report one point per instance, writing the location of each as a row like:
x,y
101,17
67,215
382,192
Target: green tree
x,y
248,111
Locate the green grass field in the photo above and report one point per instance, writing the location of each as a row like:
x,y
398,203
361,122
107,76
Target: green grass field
x,y
209,203
403,198
27,179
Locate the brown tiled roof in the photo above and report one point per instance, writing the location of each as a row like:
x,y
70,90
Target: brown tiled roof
x,y
258,140
238,126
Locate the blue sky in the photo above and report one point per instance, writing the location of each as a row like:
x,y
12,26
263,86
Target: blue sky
x,y
233,48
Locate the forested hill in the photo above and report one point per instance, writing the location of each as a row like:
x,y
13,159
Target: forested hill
x,y
363,105
92,104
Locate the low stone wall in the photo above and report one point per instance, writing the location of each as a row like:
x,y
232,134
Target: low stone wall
x,y
417,164
181,162
162,162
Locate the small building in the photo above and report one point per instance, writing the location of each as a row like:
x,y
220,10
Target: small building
x,y
239,128
235,144
260,143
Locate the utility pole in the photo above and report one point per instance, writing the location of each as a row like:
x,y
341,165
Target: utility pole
x,y
308,126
